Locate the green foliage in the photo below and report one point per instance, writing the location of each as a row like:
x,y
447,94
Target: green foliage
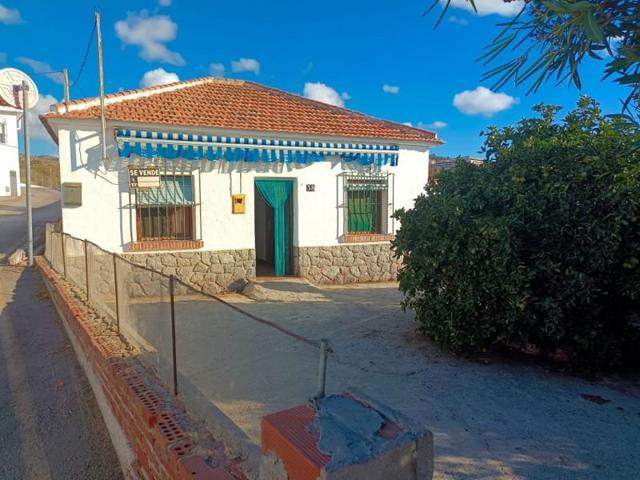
x,y
538,247
551,39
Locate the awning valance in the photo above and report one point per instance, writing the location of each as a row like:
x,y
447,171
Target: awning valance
x,y
168,145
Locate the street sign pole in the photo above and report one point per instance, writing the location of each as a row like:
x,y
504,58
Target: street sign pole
x,y
27,163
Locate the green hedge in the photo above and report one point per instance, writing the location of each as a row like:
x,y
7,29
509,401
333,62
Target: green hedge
x,y
538,247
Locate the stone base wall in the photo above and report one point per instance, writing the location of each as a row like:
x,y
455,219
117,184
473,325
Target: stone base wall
x,y
229,270
348,263
212,271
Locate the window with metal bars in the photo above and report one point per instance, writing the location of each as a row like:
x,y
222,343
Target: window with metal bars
x,y
367,206
166,212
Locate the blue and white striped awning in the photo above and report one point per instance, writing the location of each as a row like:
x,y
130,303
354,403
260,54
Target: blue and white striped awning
x,y
172,146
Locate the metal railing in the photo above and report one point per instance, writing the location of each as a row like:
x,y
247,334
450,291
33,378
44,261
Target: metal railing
x,y
199,344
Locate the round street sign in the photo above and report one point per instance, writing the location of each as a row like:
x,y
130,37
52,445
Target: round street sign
x,y
11,88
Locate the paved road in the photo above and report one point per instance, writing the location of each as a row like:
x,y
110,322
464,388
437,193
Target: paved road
x,y
13,223
50,425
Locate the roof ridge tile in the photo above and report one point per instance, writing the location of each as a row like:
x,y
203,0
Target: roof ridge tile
x,y
237,105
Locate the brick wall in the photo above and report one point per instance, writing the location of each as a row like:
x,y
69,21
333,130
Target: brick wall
x,y
165,441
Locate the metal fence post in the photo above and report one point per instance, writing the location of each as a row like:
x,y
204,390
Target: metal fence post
x,y
86,268
64,257
47,239
172,280
115,284
322,368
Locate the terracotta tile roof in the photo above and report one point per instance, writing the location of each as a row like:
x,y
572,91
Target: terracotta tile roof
x,y
237,105
3,103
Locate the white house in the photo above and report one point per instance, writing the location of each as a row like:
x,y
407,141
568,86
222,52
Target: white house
x,y
218,180
9,160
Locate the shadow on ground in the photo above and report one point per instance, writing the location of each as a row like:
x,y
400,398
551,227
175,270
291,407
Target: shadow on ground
x,y
50,425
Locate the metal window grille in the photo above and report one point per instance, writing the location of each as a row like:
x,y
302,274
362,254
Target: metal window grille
x,y
168,212
366,202
3,132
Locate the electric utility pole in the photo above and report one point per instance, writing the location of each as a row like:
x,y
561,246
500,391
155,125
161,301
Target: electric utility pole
x,y
65,76
103,121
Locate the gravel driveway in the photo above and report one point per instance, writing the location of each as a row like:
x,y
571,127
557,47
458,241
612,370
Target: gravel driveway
x,y
491,419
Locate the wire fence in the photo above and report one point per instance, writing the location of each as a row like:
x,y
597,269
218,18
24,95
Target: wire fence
x,y
223,361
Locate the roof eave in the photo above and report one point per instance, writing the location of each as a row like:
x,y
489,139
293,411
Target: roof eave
x,y
44,119
10,110
114,123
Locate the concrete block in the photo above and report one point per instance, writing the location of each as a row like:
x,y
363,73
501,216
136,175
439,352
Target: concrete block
x,y
17,257
344,437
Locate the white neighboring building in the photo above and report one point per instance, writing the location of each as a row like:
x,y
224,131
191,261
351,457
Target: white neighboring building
x,y
218,180
9,160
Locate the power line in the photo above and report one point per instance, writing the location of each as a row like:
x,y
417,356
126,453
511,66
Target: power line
x,y
56,76
86,55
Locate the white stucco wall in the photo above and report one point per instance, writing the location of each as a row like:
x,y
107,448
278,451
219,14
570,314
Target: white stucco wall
x,y
9,153
104,217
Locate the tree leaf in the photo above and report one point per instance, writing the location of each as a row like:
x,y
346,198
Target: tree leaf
x,y
593,29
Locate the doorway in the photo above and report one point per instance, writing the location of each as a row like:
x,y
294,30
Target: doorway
x,y
273,227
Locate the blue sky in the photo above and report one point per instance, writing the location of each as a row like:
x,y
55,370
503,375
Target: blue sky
x,y
378,57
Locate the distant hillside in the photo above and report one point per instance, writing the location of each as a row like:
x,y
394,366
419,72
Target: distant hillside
x,y
443,159
438,163
45,171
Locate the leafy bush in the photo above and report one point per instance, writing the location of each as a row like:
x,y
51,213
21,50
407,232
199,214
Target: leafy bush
x,y
538,247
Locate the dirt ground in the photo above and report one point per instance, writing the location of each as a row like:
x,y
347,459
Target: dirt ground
x,y
50,425
490,419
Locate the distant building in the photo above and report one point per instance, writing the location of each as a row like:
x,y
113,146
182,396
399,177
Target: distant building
x,y
9,163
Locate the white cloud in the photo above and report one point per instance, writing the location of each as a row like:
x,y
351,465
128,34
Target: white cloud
x,y
489,7
217,69
614,45
437,125
324,93
40,67
458,20
10,16
246,65
308,68
164,3
483,101
36,129
159,76
386,88
150,33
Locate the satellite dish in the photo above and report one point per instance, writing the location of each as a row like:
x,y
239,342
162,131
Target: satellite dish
x,y
11,88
